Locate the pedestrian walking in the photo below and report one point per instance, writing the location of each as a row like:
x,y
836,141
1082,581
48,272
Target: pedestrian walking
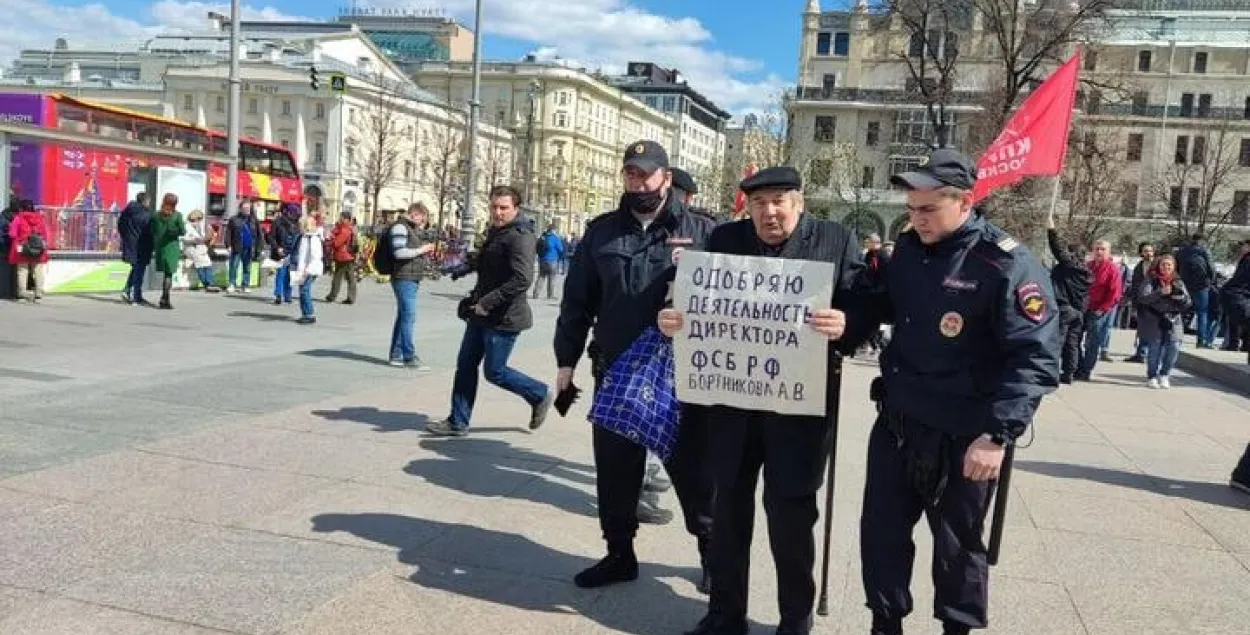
x,y
283,239
496,312
343,249
167,230
1162,301
792,451
405,249
550,252
617,283
245,240
309,263
134,228
962,377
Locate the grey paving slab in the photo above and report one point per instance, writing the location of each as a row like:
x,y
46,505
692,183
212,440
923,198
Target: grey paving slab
x,y
259,396
87,479
240,581
14,600
68,617
25,447
1157,521
139,418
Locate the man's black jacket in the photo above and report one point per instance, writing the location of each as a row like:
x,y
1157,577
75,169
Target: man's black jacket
x,y
619,277
505,270
1070,277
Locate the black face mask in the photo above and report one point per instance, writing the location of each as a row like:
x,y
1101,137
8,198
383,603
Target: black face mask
x,y
642,203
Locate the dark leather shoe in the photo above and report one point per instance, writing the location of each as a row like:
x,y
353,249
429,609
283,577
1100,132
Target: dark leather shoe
x,y
720,625
616,567
795,627
882,625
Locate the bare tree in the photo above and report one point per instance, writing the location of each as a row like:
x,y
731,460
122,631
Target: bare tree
x,y
380,139
768,134
445,149
1198,187
1093,186
931,54
854,185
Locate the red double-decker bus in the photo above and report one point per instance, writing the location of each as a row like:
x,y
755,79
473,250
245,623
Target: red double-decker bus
x,y
82,189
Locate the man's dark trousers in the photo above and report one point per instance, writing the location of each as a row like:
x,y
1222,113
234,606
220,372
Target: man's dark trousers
x,y
891,509
1072,327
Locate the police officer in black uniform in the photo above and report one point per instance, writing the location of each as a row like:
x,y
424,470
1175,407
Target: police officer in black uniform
x,y
618,280
791,450
975,347
686,189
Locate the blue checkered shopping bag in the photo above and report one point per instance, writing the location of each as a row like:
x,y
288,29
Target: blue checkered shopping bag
x,y
637,397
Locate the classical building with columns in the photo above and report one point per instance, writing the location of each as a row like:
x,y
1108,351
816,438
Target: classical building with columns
x,y
333,135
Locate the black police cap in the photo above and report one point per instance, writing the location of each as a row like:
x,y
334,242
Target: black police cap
x,y
684,182
778,178
647,156
943,168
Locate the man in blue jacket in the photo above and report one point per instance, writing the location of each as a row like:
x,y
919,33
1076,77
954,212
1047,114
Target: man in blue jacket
x,y
550,253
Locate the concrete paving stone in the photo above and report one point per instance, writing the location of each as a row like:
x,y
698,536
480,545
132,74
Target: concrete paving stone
x,y
1069,430
84,480
242,581
139,418
1086,454
1161,521
260,448
1119,586
1223,514
68,617
1126,483
25,447
260,397
1028,606
14,600
52,549
16,504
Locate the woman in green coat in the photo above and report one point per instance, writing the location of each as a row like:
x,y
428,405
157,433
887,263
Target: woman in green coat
x,y
167,228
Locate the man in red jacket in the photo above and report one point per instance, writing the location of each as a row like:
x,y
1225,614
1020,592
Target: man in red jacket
x,y
342,250
1104,295
28,249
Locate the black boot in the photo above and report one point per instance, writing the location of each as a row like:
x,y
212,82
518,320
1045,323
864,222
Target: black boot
x,y
953,628
620,565
882,625
713,624
1240,479
802,626
705,578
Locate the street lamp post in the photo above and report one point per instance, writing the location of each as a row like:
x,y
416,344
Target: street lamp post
x,y
468,224
529,142
232,125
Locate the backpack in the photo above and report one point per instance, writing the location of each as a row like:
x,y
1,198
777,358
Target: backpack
x,y
34,246
544,246
383,254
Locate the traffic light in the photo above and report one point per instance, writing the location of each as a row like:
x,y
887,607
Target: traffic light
x,y
313,80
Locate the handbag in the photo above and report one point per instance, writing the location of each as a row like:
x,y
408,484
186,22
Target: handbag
x,y
637,397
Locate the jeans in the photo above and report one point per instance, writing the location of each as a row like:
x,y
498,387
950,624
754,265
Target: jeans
x,y
237,260
206,276
1097,329
1162,357
1204,303
282,283
134,282
1106,337
402,348
305,296
489,348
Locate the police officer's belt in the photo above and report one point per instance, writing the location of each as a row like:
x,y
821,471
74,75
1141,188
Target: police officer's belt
x,y
927,451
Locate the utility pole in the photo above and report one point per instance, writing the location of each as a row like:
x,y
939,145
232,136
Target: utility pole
x,y
232,126
468,224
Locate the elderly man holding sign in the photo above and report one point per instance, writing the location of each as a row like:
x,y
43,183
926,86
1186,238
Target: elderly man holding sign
x,y
748,316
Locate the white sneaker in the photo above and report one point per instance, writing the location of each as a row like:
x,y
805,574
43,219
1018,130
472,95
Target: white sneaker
x,y
230,289
1154,382
1164,382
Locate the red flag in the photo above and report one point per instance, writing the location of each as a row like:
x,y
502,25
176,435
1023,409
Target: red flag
x,y
740,199
1035,139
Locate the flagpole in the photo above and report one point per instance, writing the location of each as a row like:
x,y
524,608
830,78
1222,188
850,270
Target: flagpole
x,y
1054,193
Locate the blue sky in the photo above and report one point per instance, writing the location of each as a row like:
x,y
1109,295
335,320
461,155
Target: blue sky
x,y
731,50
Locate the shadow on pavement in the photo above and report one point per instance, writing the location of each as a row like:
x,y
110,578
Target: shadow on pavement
x,y
381,420
476,467
330,353
645,607
449,296
264,317
1199,491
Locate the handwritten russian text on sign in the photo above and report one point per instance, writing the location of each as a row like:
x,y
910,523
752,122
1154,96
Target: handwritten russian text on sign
x,y
747,342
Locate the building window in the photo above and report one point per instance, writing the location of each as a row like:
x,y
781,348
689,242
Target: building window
x,y
823,41
1091,60
874,134
319,153
1175,201
820,172
1241,208
1204,105
221,103
188,102
286,143
868,177
252,106
670,104
562,98
286,107
560,119
1193,203
1200,151
827,83
1094,105
1141,101
825,129
1187,105
1143,62
1091,142
319,111
1133,154
1243,158
1182,150
841,44
1128,207
407,170
1200,62
915,44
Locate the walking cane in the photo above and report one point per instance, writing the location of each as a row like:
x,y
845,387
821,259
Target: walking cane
x,y
834,400
1000,504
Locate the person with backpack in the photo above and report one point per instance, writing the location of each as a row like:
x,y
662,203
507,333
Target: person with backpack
x,y
399,255
342,250
28,249
550,252
283,243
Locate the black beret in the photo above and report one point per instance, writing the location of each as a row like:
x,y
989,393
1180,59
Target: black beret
x,y
684,182
778,178
943,168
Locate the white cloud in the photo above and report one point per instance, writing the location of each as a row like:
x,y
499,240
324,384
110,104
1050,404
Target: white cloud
x,y
602,34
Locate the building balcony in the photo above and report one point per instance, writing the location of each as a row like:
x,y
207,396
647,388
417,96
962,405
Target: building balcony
x,y
883,96
1155,111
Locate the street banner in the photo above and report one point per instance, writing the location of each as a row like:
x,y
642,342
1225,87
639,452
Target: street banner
x,y
746,341
1035,139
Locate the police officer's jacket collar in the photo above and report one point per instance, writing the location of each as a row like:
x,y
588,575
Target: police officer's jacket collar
x,y
967,234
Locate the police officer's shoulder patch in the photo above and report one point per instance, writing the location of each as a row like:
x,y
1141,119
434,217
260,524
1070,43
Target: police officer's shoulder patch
x,y
1031,302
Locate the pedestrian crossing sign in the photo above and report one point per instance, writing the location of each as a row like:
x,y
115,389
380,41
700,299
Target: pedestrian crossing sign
x,y
338,82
